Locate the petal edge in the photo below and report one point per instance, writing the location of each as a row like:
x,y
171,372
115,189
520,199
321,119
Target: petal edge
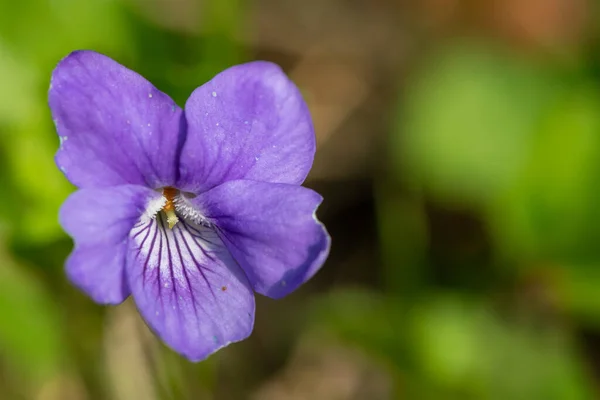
x,y
99,221
249,122
114,126
271,230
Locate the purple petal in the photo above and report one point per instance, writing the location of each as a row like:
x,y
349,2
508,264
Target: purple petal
x,y
271,230
188,288
99,220
249,122
114,126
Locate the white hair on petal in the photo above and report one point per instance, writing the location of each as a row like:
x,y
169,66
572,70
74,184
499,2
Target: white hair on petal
x,y
154,206
187,211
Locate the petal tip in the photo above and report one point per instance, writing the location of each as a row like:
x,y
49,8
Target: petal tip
x,y
195,356
318,254
75,55
198,351
296,277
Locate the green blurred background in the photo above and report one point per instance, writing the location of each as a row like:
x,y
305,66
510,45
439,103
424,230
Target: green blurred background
x,y
459,157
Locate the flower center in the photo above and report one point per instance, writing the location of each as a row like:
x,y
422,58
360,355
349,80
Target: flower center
x,y
169,193
175,206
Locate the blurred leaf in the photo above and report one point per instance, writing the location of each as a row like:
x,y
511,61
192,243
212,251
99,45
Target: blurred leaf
x,y
469,118
41,186
445,333
363,317
404,236
18,80
367,320
464,346
577,290
225,17
552,210
30,334
30,178
49,30
457,347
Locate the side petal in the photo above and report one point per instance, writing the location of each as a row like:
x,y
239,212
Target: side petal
x,y
115,127
188,288
271,230
248,122
99,221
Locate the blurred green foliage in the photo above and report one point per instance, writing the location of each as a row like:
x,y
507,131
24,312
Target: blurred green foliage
x,y
514,141
508,139
31,335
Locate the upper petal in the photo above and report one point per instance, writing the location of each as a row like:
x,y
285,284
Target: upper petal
x,y
248,122
115,127
187,287
99,221
271,230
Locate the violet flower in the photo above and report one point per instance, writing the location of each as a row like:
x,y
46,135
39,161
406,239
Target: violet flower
x,y
193,211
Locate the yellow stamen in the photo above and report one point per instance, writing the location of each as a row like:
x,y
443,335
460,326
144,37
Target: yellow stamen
x,y
169,209
171,218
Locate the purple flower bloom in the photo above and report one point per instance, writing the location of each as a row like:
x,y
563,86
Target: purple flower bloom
x,y
189,211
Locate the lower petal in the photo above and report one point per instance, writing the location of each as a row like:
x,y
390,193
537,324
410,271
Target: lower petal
x,y
99,221
187,287
272,231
